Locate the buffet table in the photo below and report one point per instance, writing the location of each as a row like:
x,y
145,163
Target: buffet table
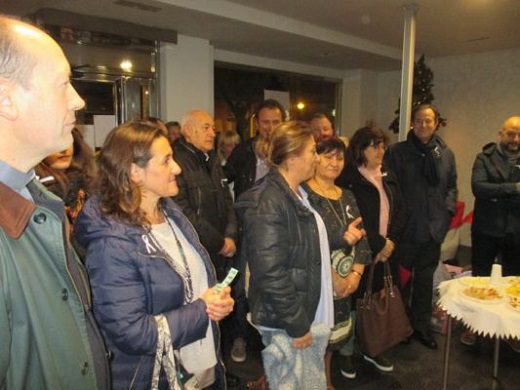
x,y
494,318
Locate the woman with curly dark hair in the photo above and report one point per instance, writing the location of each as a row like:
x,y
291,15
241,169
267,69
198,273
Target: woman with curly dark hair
x,y
153,284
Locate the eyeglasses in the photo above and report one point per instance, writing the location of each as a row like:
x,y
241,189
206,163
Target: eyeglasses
x,y
512,134
380,145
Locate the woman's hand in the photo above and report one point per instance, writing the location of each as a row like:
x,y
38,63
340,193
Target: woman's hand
x,y
303,342
386,252
218,304
354,233
345,286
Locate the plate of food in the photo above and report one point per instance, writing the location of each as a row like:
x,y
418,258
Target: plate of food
x,y
475,281
482,294
514,303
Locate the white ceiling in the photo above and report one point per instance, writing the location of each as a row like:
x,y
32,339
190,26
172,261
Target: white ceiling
x,y
337,34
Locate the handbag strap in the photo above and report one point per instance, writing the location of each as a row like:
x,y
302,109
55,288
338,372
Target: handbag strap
x,y
387,283
389,280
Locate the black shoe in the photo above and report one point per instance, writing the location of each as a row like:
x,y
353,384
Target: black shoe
x,y
346,367
380,362
426,339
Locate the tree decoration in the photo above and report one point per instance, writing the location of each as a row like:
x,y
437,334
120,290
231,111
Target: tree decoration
x,y
421,92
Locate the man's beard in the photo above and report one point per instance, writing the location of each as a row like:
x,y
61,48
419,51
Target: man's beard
x,y
510,147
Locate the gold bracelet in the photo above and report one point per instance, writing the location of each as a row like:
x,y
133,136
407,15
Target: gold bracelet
x,y
357,273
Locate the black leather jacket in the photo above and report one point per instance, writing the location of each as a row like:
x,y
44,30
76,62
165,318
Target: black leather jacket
x,y
281,245
204,196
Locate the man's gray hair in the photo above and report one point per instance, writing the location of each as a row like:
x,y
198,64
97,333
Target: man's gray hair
x,y
190,119
16,61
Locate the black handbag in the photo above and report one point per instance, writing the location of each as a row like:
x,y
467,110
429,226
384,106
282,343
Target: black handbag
x,y
381,318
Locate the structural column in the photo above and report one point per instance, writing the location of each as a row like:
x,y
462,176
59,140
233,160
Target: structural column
x,y
410,10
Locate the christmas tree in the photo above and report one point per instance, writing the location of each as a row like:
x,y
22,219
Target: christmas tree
x,y
422,91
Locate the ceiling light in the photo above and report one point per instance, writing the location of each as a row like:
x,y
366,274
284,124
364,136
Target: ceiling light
x,y
126,65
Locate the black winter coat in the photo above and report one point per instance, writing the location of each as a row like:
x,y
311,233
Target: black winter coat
x,y
431,208
282,247
497,196
204,196
368,201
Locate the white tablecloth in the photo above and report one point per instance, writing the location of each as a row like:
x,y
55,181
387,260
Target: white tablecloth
x,y
492,319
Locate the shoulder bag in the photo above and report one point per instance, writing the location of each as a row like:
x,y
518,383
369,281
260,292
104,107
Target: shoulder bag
x,y
381,318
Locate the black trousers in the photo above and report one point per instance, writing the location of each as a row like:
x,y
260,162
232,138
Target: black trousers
x,y
421,259
484,250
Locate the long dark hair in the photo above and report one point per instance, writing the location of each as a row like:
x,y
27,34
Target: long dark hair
x,y
83,162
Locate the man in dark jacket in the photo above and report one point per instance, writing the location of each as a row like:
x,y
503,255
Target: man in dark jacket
x,y
206,201
246,165
48,336
203,191
495,232
425,169
495,182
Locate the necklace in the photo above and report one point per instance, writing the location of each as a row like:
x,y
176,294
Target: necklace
x,y
343,219
185,272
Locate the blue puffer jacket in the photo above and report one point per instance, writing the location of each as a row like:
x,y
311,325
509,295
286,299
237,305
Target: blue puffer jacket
x,y
131,283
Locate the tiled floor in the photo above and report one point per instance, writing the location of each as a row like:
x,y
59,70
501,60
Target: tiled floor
x,y
418,368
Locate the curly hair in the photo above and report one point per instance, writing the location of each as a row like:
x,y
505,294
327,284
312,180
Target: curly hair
x,y
127,144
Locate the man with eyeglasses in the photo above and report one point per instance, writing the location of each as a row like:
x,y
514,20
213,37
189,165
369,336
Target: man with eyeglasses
x,y
495,231
495,181
425,168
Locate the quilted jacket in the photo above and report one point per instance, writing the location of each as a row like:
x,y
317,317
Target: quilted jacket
x,y
131,283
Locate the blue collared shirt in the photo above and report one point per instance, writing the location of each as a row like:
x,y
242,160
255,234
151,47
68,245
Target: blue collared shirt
x,y
15,179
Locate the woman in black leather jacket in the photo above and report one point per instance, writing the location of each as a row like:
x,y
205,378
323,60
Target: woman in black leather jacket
x,y
286,247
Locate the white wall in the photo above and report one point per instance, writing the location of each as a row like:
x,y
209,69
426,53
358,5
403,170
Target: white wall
x,y
186,77
359,100
476,93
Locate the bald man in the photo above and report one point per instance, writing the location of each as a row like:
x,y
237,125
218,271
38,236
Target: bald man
x,y
48,337
495,182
